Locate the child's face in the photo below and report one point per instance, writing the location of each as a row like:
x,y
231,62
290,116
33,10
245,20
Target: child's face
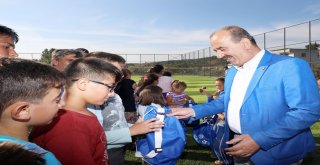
x,y
44,111
219,85
178,90
100,91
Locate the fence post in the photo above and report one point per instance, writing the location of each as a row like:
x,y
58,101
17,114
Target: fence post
x,y
264,41
210,59
310,42
198,54
203,57
284,40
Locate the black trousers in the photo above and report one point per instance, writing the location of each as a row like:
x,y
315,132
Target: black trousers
x,y
116,156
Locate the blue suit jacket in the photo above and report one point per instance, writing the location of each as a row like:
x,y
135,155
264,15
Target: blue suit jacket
x,y
281,103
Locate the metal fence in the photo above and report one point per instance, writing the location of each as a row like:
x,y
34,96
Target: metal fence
x,y
153,58
292,40
288,40
284,41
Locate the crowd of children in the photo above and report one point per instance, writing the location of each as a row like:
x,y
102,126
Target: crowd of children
x,y
85,108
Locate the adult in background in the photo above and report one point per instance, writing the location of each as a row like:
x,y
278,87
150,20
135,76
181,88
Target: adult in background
x,y
61,58
270,102
8,39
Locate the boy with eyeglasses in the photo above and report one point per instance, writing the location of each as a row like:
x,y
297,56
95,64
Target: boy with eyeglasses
x,y
76,137
30,95
8,39
111,116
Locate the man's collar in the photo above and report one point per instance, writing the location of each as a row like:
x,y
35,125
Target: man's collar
x,y
252,63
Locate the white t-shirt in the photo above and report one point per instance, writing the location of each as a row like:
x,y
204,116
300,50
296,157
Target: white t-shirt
x,y
165,83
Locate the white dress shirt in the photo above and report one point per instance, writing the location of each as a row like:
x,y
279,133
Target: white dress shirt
x,y
238,90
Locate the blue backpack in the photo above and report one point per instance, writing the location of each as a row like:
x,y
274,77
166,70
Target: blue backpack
x,y
210,133
164,146
203,133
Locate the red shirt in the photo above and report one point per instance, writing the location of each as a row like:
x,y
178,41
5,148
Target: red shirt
x,y
74,138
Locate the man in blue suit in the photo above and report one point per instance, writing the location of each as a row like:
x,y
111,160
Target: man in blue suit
x,y
270,102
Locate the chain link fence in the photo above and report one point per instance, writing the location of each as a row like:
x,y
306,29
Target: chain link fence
x,y
299,40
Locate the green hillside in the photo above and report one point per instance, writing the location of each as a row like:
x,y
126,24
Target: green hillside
x,y
208,66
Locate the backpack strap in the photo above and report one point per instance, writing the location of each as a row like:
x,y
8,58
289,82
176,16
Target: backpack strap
x,y
157,135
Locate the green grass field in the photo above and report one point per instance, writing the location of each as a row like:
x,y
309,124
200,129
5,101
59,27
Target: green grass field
x,y
196,155
194,83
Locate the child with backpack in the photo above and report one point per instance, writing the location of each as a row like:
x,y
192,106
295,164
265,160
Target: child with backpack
x,y
163,146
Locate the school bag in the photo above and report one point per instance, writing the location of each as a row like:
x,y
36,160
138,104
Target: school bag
x,y
203,133
210,133
164,146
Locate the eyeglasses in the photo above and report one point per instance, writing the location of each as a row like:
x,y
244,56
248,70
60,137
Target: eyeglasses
x,y
111,87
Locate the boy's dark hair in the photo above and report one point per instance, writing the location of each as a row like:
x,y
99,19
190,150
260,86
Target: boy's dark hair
x,y
151,94
167,73
107,56
157,68
148,79
59,53
26,80
85,51
15,154
5,31
221,79
126,72
91,68
178,84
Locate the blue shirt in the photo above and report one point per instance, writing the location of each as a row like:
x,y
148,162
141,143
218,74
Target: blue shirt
x,y
48,156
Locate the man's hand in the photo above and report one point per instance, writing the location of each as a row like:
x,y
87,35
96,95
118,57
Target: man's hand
x,y
243,146
182,113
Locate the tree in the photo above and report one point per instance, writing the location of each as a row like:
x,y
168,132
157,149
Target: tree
x,y
46,56
312,46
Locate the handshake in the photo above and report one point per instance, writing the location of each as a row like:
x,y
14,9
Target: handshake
x,y
202,89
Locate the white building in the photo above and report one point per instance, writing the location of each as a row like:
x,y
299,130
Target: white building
x,y
304,54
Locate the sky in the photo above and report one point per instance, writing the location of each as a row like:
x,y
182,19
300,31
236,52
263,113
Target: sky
x,y
143,26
